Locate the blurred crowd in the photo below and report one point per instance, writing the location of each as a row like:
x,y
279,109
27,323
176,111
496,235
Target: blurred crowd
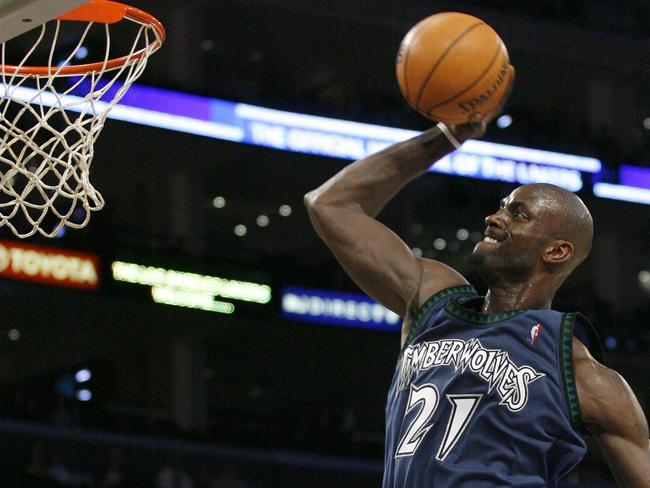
x,y
51,466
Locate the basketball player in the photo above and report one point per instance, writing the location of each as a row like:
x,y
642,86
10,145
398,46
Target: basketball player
x,y
488,391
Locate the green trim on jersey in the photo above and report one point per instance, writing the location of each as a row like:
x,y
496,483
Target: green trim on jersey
x,y
457,309
428,305
566,364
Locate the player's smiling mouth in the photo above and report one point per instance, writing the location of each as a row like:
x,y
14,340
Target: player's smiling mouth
x,y
492,238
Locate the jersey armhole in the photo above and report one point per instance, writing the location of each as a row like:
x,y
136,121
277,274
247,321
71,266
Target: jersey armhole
x,y
587,334
566,370
429,304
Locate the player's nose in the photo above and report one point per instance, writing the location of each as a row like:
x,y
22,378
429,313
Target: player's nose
x,y
494,220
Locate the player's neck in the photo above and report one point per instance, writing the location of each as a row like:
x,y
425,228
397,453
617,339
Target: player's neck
x,y
530,295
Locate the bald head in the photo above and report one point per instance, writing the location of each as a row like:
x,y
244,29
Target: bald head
x,y
540,233
565,217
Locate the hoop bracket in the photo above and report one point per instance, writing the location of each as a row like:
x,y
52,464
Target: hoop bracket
x,y
100,11
106,12
109,12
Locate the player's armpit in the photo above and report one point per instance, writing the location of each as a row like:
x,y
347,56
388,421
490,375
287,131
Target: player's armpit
x,y
377,260
612,414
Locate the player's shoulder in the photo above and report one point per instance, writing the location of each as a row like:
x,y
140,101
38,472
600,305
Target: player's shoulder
x,y
438,281
438,284
436,278
606,399
590,373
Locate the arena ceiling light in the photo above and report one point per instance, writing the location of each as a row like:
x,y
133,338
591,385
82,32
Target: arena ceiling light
x,y
83,375
504,121
219,202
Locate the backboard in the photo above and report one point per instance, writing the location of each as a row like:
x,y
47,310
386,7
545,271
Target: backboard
x,y
19,16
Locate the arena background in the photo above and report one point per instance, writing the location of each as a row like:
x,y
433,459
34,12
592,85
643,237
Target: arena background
x,y
288,389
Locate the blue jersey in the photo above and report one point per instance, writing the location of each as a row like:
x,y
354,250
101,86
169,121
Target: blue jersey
x,y
483,400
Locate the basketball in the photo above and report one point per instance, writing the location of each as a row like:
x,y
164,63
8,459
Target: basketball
x,y
452,66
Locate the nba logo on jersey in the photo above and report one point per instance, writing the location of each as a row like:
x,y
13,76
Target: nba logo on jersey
x,y
534,332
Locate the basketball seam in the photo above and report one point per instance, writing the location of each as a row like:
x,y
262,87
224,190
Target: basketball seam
x,y
473,84
449,48
405,70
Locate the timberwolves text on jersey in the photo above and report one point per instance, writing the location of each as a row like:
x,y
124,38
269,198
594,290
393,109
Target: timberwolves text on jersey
x,y
482,400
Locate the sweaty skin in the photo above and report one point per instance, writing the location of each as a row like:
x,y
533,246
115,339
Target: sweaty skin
x,y
534,221
542,233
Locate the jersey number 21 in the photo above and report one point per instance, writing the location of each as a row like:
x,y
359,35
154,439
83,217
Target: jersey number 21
x,y
427,397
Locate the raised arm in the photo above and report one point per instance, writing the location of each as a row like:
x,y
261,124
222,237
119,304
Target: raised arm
x,y
614,417
343,212
344,208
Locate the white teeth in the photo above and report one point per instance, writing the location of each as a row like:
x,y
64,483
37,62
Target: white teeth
x,y
490,240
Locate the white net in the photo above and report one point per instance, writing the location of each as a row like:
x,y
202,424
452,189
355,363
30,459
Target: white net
x,y
49,123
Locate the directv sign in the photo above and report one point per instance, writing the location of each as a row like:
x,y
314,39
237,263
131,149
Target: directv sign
x,y
337,308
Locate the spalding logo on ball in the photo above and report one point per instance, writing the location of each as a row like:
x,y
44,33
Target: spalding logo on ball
x,y
452,67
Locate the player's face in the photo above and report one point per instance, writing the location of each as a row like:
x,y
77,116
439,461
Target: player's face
x,y
515,236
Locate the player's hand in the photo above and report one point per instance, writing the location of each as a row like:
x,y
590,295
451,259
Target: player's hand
x,y
476,127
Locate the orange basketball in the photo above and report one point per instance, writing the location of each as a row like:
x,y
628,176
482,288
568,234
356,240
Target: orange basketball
x,y
451,66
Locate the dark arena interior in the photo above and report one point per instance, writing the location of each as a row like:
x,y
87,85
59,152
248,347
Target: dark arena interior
x,y
198,333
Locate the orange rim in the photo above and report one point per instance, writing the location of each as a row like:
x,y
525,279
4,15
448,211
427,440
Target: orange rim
x,y
106,12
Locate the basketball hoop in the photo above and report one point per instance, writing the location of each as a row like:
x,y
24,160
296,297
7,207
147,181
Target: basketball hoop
x,y
52,113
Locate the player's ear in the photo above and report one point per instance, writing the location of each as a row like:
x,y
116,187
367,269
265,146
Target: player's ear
x,y
558,251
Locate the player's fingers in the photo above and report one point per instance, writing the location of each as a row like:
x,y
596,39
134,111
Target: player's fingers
x,y
478,121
